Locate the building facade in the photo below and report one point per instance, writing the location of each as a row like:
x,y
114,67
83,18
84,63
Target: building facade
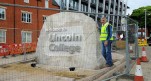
x,y
114,7
141,33
19,24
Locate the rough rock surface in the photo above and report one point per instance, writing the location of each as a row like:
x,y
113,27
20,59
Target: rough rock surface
x,y
70,40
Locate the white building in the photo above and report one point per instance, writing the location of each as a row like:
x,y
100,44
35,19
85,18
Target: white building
x,y
117,7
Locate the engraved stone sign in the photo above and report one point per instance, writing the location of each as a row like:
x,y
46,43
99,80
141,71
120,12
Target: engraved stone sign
x,y
69,40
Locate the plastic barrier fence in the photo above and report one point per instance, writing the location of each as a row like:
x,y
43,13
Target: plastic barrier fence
x,y
17,49
142,42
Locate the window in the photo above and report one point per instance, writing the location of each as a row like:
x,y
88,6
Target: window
x,y
26,36
44,18
84,7
26,1
65,1
46,3
143,33
106,7
2,36
2,13
26,17
111,9
139,34
93,1
76,5
101,5
81,7
62,3
90,9
71,4
93,10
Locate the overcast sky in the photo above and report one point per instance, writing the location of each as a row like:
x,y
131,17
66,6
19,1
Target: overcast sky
x,y
134,4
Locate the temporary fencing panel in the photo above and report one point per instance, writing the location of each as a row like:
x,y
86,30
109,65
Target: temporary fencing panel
x,y
4,50
24,38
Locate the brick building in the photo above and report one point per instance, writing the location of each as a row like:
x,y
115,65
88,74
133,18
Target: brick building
x,y
141,33
21,24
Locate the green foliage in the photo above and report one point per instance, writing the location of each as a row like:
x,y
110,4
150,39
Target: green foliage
x,y
139,15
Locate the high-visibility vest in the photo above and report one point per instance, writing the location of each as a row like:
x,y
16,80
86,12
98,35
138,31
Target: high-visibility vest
x,y
104,34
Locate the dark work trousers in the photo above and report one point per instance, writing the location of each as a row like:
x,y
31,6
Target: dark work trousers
x,y
106,52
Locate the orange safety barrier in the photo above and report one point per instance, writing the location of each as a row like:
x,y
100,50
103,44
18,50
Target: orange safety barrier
x,y
4,50
33,47
27,47
13,49
20,49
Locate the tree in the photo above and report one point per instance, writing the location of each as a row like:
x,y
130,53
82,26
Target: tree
x,y
139,15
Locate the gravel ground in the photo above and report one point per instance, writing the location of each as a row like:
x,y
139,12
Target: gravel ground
x,y
27,74
23,72
10,70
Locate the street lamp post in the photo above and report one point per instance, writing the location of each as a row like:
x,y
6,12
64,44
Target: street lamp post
x,y
145,23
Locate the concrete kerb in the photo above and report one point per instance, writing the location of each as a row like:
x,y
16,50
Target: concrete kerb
x,y
119,68
18,59
105,72
110,73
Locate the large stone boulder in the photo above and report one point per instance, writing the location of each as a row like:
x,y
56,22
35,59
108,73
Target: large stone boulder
x,y
69,40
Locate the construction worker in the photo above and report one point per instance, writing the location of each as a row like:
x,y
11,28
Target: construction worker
x,y
106,38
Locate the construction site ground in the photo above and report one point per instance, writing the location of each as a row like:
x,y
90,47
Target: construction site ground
x,y
12,70
146,68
